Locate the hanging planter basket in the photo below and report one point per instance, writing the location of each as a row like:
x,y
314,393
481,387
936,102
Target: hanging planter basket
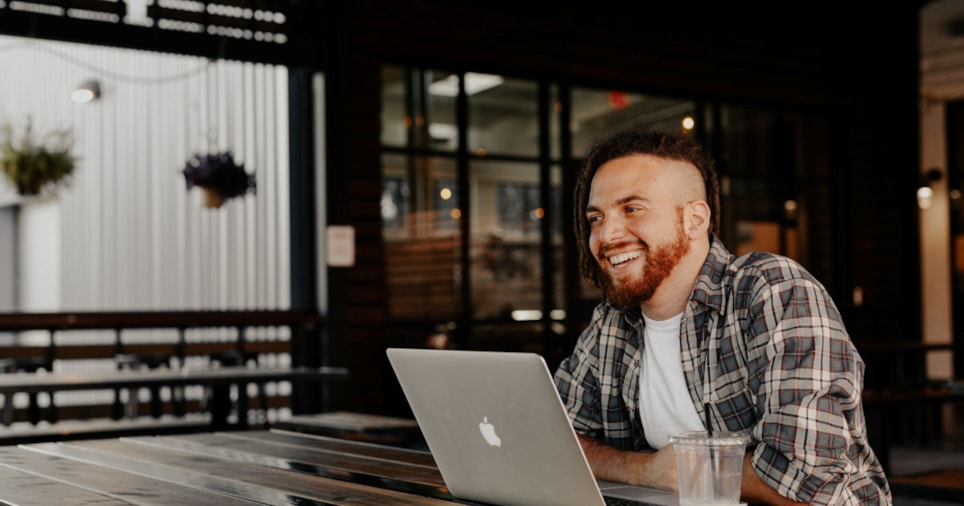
x,y
219,177
211,198
31,164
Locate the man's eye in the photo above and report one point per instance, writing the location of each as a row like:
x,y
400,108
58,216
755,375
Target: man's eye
x,y
631,209
593,218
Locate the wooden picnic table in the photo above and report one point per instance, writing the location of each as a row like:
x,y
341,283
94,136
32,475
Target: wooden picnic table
x,y
222,468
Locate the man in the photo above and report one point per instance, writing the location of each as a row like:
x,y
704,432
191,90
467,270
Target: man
x,y
688,333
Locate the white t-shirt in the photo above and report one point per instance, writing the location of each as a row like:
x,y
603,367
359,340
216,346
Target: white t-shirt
x,y
665,407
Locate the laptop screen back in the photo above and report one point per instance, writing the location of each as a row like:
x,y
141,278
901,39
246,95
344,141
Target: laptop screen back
x,y
496,427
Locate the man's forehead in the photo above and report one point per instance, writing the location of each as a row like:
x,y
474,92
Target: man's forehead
x,y
678,176
651,165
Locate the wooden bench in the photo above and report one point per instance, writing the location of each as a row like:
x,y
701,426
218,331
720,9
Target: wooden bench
x,y
217,379
945,485
82,341
896,415
902,405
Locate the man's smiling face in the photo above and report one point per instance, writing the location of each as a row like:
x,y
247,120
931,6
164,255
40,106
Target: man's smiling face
x,y
636,225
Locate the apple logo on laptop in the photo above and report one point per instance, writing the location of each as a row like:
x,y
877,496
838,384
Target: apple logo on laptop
x,y
488,432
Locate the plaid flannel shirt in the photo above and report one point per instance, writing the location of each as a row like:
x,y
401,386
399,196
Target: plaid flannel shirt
x,y
762,344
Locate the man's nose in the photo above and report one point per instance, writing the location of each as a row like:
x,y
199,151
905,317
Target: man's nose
x,y
611,230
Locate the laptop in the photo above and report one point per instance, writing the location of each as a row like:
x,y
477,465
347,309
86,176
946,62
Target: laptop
x,y
498,431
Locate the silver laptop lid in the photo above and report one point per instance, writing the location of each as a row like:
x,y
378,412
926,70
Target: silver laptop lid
x,y
496,427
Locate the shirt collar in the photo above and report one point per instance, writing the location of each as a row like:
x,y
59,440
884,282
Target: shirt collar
x,y
708,289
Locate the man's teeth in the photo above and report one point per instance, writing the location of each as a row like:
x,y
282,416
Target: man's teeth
x,y
625,257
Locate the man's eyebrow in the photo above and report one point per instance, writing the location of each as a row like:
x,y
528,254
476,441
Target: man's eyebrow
x,y
620,201
630,198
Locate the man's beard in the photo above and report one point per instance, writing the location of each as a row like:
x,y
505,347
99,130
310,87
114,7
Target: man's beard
x,y
660,262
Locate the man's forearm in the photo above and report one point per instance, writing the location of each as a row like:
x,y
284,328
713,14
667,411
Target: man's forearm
x,y
649,469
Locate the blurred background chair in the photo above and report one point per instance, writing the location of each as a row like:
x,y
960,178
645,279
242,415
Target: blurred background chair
x,y
236,358
148,361
28,365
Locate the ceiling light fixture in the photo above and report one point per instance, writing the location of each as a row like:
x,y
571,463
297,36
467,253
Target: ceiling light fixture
x,y
88,91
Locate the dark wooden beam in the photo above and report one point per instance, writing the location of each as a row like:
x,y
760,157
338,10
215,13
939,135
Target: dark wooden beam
x,y
157,319
299,39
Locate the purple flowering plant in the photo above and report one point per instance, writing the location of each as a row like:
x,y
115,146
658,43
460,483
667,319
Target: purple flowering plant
x,y
220,173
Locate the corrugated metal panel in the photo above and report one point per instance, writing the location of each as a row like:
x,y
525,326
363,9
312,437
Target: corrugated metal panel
x,y
131,236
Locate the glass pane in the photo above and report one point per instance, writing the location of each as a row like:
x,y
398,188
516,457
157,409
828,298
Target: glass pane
x,y
555,135
419,196
596,113
394,116
757,162
416,110
420,216
506,262
503,117
440,127
558,204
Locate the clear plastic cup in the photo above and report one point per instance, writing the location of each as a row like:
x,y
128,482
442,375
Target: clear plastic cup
x,y
709,469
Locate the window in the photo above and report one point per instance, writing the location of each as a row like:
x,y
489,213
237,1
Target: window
x,y
476,209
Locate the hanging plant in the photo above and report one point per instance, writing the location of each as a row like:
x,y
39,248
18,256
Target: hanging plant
x,y
31,165
219,177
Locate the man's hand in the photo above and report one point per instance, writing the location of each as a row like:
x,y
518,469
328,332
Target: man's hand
x,y
658,470
649,469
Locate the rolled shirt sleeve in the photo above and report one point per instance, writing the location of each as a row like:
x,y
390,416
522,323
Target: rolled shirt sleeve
x,y
806,377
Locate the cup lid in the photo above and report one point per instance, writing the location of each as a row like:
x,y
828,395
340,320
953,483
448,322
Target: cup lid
x,y
718,438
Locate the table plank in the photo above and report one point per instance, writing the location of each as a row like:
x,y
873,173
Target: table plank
x,y
383,452
394,475
366,427
353,422
31,478
24,489
235,478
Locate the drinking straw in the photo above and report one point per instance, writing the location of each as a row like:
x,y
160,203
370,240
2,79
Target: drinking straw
x,y
714,464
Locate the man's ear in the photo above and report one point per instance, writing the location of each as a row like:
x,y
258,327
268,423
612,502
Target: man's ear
x,y
697,219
